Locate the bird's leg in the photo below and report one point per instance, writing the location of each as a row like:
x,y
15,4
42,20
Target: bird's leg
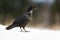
x,y
21,29
24,29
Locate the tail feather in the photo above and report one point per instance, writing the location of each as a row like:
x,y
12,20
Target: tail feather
x,y
9,27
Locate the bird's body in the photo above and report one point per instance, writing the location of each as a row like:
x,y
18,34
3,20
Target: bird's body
x,y
22,21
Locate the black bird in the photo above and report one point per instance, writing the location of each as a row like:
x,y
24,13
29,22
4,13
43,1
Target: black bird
x,y
23,20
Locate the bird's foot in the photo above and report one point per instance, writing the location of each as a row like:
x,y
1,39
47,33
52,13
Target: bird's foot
x,y
21,31
26,31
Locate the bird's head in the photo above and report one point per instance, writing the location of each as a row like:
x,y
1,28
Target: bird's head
x,y
31,8
34,7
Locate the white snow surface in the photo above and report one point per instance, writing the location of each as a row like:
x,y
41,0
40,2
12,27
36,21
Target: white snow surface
x,y
34,34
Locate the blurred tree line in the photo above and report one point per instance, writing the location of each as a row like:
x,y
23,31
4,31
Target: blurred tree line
x,y
55,12
11,9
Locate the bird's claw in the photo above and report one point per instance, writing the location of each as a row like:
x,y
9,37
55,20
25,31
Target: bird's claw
x,y
27,31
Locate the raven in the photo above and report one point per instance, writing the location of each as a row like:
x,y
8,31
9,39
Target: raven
x,y
23,20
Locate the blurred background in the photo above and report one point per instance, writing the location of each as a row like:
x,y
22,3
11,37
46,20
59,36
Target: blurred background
x,y
47,14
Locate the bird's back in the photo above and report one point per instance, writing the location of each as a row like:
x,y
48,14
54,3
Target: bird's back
x,y
21,20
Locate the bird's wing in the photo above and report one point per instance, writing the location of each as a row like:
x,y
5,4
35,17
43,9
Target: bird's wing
x,y
20,19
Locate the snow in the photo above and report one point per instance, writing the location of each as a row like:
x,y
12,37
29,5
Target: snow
x,y
34,34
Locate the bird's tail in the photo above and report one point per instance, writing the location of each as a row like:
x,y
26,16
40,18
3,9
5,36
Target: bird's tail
x,y
10,27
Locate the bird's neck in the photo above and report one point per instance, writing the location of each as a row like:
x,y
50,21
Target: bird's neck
x,y
31,11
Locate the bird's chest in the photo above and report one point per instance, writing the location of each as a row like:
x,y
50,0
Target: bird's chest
x,y
31,11
30,17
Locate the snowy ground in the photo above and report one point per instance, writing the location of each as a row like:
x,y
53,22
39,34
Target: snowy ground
x,y
34,34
